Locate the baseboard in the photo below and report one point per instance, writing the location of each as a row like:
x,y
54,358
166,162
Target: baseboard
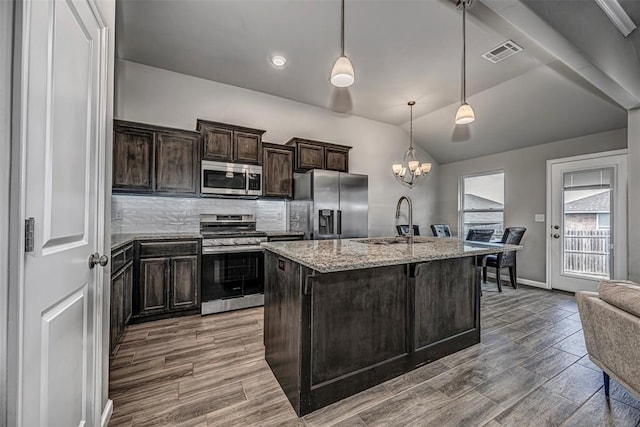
x,y
527,282
106,413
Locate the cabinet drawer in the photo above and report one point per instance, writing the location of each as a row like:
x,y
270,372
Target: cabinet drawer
x,y
121,257
172,248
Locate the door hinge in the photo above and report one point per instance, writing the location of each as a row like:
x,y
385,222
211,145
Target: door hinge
x,y
29,228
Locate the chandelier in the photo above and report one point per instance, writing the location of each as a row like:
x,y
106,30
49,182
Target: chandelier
x,y
411,170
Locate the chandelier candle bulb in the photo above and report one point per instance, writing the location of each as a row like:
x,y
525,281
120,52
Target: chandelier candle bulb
x,y
413,165
426,167
397,168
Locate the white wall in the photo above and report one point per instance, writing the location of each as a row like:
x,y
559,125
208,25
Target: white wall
x,y
525,188
633,142
152,95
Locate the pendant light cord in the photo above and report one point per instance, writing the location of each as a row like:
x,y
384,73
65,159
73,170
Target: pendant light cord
x,y
464,51
342,30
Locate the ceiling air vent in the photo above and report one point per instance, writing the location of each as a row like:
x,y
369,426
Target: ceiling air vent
x,y
502,52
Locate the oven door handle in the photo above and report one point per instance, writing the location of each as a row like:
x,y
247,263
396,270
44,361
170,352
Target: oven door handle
x,y
208,250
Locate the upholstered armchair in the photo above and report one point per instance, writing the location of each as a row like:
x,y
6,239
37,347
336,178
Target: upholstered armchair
x,y
611,325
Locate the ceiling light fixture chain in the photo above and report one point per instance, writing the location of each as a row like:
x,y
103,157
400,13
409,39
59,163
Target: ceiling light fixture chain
x,y
465,113
411,170
342,73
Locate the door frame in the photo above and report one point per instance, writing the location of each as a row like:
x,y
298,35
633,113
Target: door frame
x,y
548,222
6,64
13,188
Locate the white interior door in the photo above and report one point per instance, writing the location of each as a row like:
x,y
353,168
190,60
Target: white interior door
x,y
587,221
63,49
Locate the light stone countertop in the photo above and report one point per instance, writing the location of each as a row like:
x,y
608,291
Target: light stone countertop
x,y
119,240
327,256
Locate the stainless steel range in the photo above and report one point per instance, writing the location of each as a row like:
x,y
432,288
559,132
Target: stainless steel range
x,y
232,263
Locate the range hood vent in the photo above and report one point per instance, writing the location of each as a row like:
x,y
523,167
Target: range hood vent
x,y
502,52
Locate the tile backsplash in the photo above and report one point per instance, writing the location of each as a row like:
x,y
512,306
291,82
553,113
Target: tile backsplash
x,y
146,214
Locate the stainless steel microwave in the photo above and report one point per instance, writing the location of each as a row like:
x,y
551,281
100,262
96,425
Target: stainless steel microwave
x,y
231,178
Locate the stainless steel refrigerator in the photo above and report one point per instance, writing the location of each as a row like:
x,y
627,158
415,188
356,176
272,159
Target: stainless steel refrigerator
x,y
330,205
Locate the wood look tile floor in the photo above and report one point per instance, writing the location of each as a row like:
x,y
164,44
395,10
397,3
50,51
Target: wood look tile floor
x,y
531,369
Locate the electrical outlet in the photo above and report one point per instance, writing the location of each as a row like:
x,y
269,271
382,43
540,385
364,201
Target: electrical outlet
x,y
539,217
118,214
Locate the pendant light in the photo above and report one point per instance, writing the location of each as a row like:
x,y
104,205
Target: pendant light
x,y
411,170
342,74
465,113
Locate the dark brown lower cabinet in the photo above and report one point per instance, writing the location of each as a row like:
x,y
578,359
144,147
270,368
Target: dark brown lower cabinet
x,y
331,335
121,289
154,285
169,278
184,271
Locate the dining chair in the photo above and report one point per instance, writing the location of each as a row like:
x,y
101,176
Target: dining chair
x,y
480,234
441,230
403,229
511,236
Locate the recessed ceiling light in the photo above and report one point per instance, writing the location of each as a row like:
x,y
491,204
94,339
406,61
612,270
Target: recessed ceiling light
x,y
278,60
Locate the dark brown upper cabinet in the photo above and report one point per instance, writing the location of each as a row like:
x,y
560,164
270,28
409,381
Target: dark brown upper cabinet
x,y
319,155
223,142
133,159
176,163
155,159
277,170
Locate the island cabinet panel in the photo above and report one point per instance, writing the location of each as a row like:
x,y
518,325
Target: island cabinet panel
x,y
361,318
334,334
277,170
283,325
177,168
445,295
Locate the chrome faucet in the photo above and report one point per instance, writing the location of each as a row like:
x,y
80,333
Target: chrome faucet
x,y
409,235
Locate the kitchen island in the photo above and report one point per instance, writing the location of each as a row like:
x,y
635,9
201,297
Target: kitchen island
x,y
344,315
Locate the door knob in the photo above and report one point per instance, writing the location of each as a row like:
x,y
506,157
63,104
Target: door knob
x,y
96,259
556,236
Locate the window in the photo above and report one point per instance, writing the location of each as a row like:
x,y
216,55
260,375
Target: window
x,y
482,203
603,220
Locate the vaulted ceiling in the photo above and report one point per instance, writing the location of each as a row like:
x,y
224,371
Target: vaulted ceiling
x,y
401,51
